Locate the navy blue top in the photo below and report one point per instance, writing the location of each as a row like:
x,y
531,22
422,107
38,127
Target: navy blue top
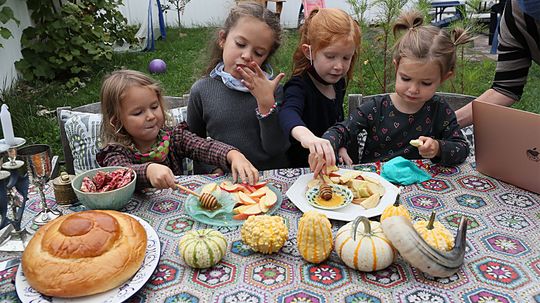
x,y
389,131
305,105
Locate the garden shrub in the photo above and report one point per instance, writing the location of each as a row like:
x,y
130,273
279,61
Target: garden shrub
x,y
70,38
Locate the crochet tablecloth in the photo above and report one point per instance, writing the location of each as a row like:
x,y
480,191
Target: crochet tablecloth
x,y
502,260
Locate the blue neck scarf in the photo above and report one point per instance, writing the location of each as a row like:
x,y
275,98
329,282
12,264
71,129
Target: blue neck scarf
x,y
230,81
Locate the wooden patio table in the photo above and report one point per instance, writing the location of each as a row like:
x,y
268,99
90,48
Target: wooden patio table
x,y
502,260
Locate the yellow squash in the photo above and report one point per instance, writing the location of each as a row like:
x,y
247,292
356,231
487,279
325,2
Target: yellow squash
x,y
395,209
314,238
435,234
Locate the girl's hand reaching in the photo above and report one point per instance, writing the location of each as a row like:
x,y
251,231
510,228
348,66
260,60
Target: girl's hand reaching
x,y
429,148
160,176
260,87
344,156
242,168
321,147
317,164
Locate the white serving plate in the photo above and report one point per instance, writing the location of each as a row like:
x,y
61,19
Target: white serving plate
x,y
297,195
29,295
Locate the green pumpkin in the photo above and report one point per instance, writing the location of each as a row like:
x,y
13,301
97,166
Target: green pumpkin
x,y
202,248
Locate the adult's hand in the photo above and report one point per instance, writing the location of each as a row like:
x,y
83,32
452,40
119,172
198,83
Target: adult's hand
x,y
464,115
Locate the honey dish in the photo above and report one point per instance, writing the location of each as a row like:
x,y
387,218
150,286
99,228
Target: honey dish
x,y
341,197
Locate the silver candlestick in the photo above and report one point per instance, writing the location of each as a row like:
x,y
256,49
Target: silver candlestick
x,y
13,163
38,161
13,192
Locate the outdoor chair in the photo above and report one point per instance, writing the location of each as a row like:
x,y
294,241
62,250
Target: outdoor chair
x,y
456,101
80,133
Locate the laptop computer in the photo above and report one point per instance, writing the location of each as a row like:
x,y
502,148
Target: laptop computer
x,y
507,144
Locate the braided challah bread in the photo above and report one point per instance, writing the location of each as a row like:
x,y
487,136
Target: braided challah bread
x,y
84,253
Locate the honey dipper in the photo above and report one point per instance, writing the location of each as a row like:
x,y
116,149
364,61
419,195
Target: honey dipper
x,y
325,190
207,201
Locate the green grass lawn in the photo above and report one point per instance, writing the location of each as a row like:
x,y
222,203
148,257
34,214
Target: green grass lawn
x,y
33,104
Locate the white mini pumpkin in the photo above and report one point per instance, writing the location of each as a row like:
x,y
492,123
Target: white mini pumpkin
x,y
202,248
364,246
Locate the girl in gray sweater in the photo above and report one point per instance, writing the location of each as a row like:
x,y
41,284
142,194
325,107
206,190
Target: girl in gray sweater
x,y
237,102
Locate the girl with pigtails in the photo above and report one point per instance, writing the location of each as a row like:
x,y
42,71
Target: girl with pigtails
x,y
413,122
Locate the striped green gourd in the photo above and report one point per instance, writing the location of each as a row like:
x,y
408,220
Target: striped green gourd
x,y
202,248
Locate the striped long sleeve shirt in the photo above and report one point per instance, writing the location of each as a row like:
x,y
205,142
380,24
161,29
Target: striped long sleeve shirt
x,y
519,45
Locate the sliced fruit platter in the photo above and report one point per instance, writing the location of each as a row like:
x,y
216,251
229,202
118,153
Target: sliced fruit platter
x,y
236,202
371,193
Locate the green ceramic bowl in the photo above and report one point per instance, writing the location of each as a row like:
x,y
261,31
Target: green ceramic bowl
x,y
114,199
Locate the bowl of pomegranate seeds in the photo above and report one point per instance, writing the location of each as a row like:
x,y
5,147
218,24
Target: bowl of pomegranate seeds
x,y
105,187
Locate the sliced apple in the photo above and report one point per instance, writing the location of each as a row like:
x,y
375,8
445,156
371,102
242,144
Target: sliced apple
x,y
371,202
336,180
229,186
258,193
245,199
327,179
269,199
376,188
240,209
334,174
349,175
332,168
262,204
314,183
240,216
252,210
260,184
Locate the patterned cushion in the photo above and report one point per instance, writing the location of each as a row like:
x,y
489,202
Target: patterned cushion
x,y
83,135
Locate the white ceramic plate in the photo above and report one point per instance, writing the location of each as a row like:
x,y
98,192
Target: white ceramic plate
x,y
29,295
297,195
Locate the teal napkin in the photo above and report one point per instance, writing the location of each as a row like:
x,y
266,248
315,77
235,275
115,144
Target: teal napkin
x,y
402,171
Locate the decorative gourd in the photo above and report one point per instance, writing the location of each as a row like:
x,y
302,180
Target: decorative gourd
x,y
202,248
314,237
395,209
264,234
421,255
435,234
365,248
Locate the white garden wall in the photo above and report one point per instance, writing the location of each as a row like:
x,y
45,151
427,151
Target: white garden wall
x,y
11,51
197,13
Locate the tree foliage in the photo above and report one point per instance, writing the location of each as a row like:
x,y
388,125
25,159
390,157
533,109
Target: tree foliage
x,y
6,15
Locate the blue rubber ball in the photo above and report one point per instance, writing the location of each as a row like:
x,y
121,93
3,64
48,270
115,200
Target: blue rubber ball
x,y
157,66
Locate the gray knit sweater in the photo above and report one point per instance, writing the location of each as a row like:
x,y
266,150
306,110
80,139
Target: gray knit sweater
x,y
229,116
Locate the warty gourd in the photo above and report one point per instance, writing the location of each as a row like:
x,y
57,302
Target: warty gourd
x,y
264,234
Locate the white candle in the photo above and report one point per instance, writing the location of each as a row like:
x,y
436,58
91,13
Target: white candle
x,y
7,126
